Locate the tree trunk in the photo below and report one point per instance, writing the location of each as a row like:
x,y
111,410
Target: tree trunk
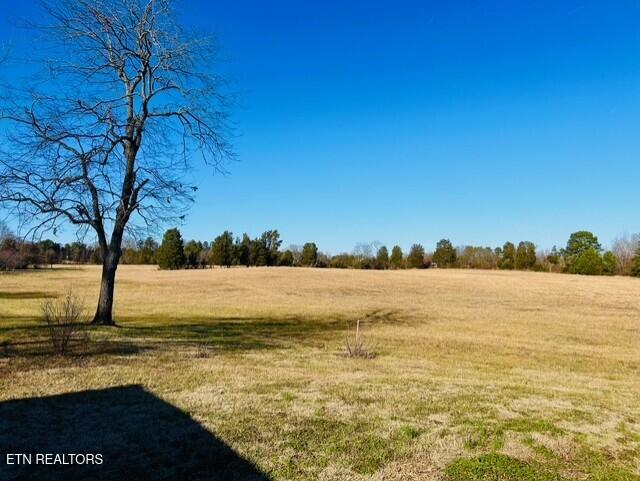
x,y
104,312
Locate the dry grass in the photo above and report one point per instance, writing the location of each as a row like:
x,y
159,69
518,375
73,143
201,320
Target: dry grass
x,y
476,372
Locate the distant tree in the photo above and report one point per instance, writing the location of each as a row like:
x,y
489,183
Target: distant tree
x,y
635,270
415,258
258,253
382,258
271,242
171,251
587,262
50,257
49,252
309,254
192,253
222,250
581,241
554,256
296,251
473,257
363,254
148,250
397,258
578,243
445,254
624,248
508,259
323,260
609,263
286,258
525,256
343,261
242,251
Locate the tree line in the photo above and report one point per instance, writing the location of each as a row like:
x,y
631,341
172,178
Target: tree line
x,y
582,254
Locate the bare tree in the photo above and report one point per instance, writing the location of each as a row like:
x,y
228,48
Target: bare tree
x,y
624,248
106,142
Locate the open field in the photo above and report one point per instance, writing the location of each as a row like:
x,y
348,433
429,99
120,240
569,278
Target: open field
x,y
479,375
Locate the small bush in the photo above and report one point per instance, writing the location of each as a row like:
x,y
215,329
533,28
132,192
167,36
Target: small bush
x,y
65,319
355,345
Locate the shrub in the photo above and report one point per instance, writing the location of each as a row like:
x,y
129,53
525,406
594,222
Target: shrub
x,y
355,346
66,324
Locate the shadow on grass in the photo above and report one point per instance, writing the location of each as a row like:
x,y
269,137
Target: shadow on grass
x,y
138,436
218,333
28,295
235,333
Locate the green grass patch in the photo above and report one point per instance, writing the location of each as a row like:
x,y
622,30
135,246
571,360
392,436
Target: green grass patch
x,y
498,467
319,442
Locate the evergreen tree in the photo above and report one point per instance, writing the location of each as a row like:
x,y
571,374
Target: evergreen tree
x,y
271,241
222,250
415,258
258,253
525,258
609,263
587,262
382,258
286,258
310,254
508,259
445,254
397,258
579,243
171,251
192,253
148,251
242,253
635,271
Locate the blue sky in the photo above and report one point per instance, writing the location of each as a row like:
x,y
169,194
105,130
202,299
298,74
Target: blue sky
x,y
407,122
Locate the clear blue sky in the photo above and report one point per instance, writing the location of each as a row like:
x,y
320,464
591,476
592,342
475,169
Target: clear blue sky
x,y
407,122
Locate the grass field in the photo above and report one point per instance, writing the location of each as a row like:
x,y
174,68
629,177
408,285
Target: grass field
x,y
479,375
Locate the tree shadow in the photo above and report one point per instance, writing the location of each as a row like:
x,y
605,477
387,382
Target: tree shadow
x,y
27,295
223,334
138,435
236,333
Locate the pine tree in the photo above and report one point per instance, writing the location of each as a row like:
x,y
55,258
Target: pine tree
x,y
171,251
192,253
508,259
445,254
310,254
222,250
382,258
397,258
415,259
